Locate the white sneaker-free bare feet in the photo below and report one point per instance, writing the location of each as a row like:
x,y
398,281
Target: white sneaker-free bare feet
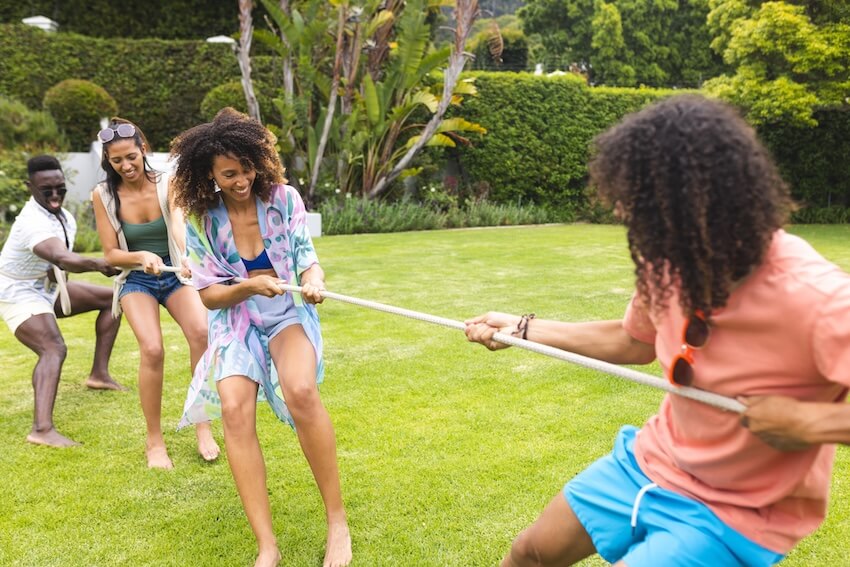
x,y
338,550
268,558
107,383
208,449
158,458
51,438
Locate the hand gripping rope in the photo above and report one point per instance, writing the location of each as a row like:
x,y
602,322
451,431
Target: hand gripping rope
x,y
716,400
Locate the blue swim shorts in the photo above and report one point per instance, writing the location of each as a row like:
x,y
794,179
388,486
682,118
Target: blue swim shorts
x,y
630,518
159,287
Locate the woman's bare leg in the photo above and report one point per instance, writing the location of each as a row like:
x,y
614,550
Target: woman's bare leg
x,y
186,308
142,312
239,412
295,360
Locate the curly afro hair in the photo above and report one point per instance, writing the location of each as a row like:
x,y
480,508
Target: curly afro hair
x,y
700,197
231,133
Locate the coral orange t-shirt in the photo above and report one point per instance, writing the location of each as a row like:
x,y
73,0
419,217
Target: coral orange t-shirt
x,y
784,331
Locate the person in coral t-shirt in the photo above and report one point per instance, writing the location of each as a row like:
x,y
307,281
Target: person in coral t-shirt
x,y
727,302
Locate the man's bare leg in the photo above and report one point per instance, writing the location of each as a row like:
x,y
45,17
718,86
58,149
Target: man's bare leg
x,y
40,334
86,297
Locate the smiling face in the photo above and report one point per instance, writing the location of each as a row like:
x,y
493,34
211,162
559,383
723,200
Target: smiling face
x,y
234,178
127,159
48,189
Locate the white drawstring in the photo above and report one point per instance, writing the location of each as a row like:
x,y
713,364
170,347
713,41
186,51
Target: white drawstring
x,y
640,494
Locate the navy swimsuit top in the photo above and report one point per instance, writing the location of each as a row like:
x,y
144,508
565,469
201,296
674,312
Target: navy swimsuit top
x,y
261,262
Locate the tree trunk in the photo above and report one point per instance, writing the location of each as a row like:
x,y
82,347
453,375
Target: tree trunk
x,y
243,54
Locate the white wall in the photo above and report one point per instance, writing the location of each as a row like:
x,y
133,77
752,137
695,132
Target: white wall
x,y
83,172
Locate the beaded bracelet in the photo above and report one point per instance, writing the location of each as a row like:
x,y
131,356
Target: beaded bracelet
x,y
522,326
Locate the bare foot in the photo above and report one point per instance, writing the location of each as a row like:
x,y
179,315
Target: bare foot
x,y
268,557
158,458
98,383
338,550
51,438
207,447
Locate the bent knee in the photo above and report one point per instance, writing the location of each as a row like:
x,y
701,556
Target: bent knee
x,y
302,397
238,416
152,352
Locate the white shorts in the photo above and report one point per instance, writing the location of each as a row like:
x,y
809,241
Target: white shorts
x,y
16,313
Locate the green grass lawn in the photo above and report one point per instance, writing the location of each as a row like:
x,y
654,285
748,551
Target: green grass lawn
x,y
446,450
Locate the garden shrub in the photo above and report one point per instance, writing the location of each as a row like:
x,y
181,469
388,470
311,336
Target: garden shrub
x,y
78,106
538,134
232,94
23,134
514,51
21,127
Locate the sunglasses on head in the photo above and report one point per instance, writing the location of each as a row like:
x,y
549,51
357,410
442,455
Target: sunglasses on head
x,y
49,192
122,130
694,336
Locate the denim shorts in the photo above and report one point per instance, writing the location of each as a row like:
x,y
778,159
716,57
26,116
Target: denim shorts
x,y
278,313
632,519
159,287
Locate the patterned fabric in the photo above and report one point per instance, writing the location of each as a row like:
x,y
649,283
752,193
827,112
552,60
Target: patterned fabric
x,y
22,273
237,342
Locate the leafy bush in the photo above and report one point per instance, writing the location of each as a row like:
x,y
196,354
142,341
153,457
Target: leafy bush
x,y
87,239
22,127
232,94
23,133
514,51
538,134
159,84
78,107
821,215
187,19
358,215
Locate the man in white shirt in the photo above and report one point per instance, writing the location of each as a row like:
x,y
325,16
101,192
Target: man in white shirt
x,y
41,237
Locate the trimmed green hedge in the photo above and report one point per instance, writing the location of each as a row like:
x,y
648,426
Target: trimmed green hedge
x,y
539,130
158,84
538,134
152,18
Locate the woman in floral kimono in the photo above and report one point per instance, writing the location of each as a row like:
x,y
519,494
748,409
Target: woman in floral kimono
x,y
247,234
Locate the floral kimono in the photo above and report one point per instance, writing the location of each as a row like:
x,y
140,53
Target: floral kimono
x,y
237,342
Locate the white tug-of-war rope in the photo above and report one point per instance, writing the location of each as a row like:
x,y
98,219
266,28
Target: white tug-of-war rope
x,y
710,398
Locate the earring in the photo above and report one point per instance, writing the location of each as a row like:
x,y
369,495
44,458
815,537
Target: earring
x,y
216,188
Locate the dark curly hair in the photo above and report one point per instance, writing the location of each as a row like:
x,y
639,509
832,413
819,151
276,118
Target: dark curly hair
x,y
113,178
700,196
231,133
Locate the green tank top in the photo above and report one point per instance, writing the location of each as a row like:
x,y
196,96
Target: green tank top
x,y
149,236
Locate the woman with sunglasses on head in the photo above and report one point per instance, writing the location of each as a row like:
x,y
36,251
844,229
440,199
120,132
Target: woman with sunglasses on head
x,y
143,233
727,302
247,234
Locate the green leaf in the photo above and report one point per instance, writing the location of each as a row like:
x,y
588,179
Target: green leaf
x,y
370,98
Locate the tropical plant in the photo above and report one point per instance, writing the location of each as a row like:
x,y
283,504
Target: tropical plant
x,y
362,89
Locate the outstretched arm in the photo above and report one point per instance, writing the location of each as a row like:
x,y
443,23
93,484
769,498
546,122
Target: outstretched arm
x,y
603,340
54,251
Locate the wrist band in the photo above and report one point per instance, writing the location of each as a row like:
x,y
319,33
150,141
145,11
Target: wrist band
x,y
522,326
